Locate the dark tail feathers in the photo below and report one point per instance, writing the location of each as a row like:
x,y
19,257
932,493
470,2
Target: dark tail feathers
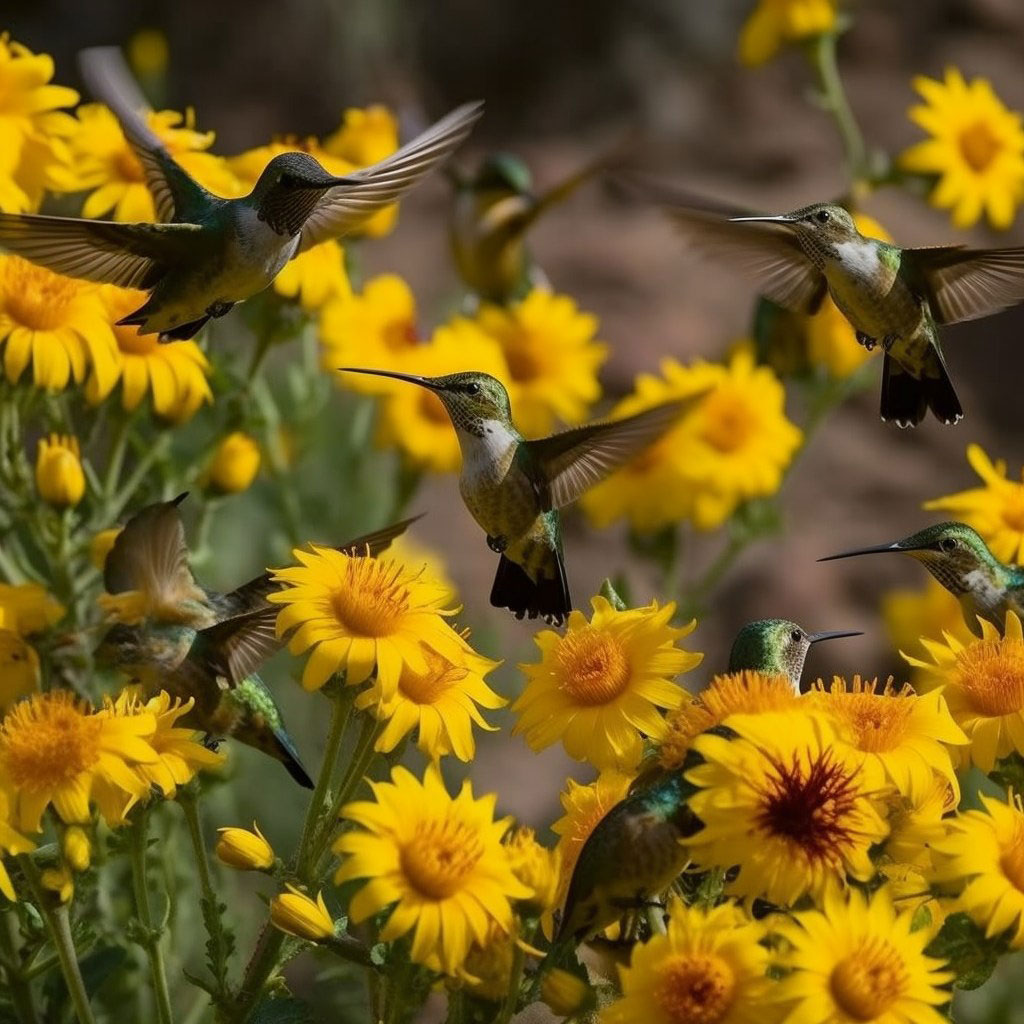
x,y
906,400
548,598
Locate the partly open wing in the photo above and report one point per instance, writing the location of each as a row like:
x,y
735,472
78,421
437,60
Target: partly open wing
x,y
964,284
235,649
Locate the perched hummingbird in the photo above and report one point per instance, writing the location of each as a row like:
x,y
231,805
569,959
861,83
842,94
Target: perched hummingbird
x,y
514,488
961,561
195,642
209,253
891,296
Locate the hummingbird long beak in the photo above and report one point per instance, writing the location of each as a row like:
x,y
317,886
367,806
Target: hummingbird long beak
x,y
874,550
411,378
781,218
832,634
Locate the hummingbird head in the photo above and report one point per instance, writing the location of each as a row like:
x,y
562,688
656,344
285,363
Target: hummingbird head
x,y
820,227
777,646
289,188
503,172
120,647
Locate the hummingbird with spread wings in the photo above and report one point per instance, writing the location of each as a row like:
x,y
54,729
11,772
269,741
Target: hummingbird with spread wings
x,y
893,297
198,643
208,253
514,488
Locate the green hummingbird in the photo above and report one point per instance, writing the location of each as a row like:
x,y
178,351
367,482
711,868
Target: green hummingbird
x,y
514,488
199,643
208,253
891,296
961,561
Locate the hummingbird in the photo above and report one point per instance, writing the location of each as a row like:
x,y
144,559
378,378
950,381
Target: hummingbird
x,y
514,488
893,297
208,253
198,643
960,560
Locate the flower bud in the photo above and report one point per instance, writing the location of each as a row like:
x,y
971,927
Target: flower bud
x,y
235,463
294,913
59,476
76,847
100,545
19,667
60,881
565,994
244,850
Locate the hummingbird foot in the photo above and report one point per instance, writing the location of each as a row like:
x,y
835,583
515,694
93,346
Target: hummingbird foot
x,y
211,742
889,340
497,544
866,340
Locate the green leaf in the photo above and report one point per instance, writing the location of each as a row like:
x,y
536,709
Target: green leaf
x,y
611,595
970,955
282,1010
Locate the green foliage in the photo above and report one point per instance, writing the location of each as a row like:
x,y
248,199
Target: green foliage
x,y
972,956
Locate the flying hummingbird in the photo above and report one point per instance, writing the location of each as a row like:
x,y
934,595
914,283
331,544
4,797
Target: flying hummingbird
x,y
209,253
891,296
195,642
961,561
514,488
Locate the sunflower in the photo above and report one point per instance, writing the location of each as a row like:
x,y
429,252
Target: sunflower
x,y
857,959
437,862
982,681
53,750
552,358
709,967
787,802
360,612
996,510
56,323
905,734
440,703
28,608
928,612
600,686
975,149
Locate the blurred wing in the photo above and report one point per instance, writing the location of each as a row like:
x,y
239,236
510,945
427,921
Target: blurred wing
x,y
235,649
567,464
964,284
344,207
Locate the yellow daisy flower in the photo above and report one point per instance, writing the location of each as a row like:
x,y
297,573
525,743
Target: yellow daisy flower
x,y
599,686
11,841
773,23
28,608
411,552
903,733
996,510
437,862
60,479
975,148
55,751
537,867
859,960
982,681
440,703
552,358
360,612
56,323
788,802
709,966
910,615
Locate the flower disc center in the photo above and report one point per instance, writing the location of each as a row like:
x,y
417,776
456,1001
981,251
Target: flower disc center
x,y
694,989
991,675
728,421
34,297
371,600
440,857
867,983
979,146
592,666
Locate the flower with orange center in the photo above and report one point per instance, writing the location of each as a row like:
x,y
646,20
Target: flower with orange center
x,y
54,750
982,681
358,612
599,687
788,803
437,862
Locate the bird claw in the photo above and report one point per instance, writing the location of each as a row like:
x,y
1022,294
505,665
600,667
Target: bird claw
x,y
497,544
211,742
866,340
889,340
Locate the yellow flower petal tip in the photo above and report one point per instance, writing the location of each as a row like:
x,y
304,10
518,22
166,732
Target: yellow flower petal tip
x,y
244,850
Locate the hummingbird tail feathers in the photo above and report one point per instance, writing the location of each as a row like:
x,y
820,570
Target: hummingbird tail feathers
x,y
907,399
548,598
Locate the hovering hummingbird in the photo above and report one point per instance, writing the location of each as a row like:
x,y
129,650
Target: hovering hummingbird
x,y
961,561
891,296
195,642
514,488
209,253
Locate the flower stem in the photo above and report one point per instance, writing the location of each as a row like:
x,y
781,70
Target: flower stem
x,y
150,935
59,928
18,986
515,978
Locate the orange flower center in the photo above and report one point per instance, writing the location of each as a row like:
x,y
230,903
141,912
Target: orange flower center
x,y
979,146
130,342
440,677
398,335
991,676
432,408
592,666
728,421
879,723
34,297
372,598
524,362
694,988
1012,861
440,857
867,982
127,166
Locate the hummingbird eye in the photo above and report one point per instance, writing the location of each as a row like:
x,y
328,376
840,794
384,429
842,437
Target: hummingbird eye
x,y
823,216
796,636
948,544
472,388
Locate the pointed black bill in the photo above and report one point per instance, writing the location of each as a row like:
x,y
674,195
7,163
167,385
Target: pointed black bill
x,y
779,218
411,378
832,634
876,549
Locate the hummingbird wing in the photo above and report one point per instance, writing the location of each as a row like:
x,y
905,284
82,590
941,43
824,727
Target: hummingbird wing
x,y
127,255
176,194
964,284
565,465
235,648
345,207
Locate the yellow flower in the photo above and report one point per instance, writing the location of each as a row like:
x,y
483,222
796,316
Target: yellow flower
x,y
315,277
294,913
565,994
996,510
235,463
983,684
360,612
860,960
537,867
709,967
27,608
552,358
437,862
976,148
734,444
600,686
775,22
439,703
107,166
247,851
56,323
60,479
19,665
411,552
59,880
904,734
788,802
55,751
100,546
11,841
487,969
76,848
33,129
931,611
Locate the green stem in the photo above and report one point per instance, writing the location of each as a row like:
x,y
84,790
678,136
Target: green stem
x,y
150,935
157,450
118,446
18,987
515,978
59,928
260,967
